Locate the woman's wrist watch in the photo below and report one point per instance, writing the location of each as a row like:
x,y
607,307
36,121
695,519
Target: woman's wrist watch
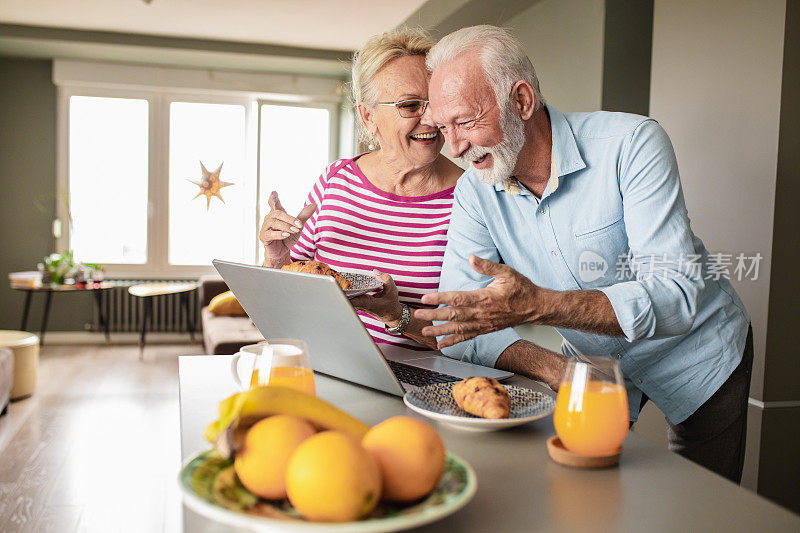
x,y
405,318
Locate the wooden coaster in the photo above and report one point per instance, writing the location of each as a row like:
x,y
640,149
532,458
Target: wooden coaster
x,y
563,456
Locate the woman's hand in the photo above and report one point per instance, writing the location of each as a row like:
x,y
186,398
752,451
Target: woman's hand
x,y
280,231
384,306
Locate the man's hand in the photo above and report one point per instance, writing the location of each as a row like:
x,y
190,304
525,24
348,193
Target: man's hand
x,y
509,300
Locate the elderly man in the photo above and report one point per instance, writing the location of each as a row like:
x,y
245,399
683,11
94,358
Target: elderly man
x,y
580,220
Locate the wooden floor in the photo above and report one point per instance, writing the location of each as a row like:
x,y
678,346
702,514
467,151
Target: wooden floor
x,y
97,447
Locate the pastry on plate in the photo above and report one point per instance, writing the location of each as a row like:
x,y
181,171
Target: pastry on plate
x,y
318,267
483,397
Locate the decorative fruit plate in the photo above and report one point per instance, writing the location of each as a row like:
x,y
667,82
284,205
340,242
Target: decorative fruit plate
x,y
361,284
437,402
211,488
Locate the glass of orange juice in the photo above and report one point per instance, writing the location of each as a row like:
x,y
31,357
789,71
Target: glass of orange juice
x,y
591,416
285,363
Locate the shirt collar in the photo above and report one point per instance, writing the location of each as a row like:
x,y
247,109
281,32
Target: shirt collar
x,y
565,149
512,187
566,156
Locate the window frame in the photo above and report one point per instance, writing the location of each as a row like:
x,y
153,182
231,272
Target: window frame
x,y
159,100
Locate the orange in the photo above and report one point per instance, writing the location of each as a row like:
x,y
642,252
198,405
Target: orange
x,y
268,446
410,455
331,478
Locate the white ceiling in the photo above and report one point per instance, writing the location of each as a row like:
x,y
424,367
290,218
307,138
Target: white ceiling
x,y
328,24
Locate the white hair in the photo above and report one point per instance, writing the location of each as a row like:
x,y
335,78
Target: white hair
x,y
503,58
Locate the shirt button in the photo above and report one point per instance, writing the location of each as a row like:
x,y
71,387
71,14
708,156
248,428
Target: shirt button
x,y
541,210
619,356
554,252
639,380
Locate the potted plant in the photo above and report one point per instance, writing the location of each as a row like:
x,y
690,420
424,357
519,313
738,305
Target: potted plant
x,y
57,266
61,268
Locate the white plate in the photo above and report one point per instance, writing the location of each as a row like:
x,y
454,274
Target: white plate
x,y
361,284
437,402
456,488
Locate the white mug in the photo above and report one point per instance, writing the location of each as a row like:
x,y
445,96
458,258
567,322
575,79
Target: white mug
x,y
264,356
243,364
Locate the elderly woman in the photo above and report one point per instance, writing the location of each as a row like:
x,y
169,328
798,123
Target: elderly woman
x,y
385,212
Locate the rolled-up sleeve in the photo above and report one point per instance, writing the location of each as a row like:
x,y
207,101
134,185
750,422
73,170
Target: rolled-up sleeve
x,y
662,298
468,235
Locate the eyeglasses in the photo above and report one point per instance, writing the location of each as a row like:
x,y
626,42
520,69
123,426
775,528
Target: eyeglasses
x,y
409,108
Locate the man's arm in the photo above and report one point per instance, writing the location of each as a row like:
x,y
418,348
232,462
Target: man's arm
x,y
533,361
663,298
512,299
582,310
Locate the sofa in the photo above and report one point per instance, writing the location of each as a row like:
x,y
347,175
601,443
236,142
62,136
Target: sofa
x,y
223,334
6,377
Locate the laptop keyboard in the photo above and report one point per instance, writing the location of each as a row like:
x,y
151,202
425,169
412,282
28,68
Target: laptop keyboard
x,y
414,375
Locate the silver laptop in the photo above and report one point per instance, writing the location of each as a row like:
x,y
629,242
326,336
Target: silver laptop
x,y
313,308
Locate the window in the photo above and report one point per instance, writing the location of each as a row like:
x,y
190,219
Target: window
x,y
288,166
130,157
203,228
108,178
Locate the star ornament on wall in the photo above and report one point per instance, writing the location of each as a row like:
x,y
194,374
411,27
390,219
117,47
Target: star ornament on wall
x,y
210,184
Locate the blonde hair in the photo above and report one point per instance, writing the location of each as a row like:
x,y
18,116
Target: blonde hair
x,y
373,56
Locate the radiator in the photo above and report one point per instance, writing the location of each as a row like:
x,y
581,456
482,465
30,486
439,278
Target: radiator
x,y
124,312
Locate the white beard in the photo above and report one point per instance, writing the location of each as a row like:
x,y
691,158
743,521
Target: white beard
x,y
504,154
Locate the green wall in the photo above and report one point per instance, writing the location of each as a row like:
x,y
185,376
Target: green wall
x,y
564,40
28,183
779,463
627,50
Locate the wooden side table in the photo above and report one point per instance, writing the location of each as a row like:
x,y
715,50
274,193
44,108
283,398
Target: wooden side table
x,y
147,291
48,290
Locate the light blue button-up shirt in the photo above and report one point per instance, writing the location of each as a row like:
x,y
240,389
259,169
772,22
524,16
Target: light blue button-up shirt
x,y
612,218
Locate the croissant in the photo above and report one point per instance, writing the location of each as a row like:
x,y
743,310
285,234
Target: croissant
x,y
318,267
484,397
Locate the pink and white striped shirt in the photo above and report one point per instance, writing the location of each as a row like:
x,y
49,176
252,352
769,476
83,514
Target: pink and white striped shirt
x,y
358,227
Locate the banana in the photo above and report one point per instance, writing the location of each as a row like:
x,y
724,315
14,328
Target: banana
x,y
245,408
228,411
